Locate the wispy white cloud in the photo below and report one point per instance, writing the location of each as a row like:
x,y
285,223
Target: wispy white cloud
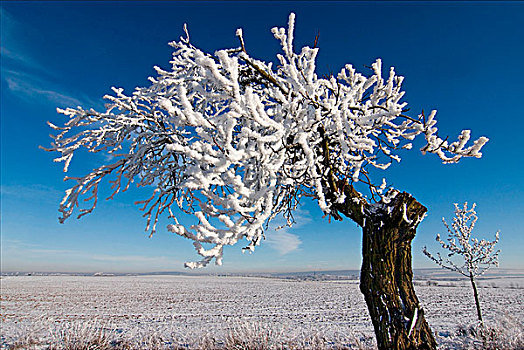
x,y
19,248
18,58
15,243
31,192
53,251
26,249
31,89
25,76
18,255
301,216
128,259
283,241
157,260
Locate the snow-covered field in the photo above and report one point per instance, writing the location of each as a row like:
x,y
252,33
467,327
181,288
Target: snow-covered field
x,y
187,308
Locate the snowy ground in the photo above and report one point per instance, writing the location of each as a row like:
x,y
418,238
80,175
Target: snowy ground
x,y
189,307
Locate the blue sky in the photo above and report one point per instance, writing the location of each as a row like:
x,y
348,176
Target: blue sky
x,y
463,59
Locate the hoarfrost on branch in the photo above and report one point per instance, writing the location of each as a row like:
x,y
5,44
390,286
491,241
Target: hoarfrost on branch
x,y
476,256
235,141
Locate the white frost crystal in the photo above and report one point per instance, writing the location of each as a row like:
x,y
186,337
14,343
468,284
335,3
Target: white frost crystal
x,y
234,142
477,256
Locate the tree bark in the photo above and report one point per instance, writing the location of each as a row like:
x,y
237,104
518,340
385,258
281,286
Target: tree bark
x,y
386,277
476,294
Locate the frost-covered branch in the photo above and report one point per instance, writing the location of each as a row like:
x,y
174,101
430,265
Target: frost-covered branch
x,y
475,256
234,141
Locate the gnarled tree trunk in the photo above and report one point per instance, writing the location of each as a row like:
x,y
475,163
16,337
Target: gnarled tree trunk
x,y
386,274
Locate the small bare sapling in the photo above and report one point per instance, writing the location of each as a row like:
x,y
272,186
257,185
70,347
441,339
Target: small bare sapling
x,y
467,256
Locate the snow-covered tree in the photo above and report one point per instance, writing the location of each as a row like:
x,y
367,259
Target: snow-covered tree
x,y
467,255
235,142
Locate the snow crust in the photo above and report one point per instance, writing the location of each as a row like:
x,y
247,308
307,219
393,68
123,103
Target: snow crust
x,y
192,307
